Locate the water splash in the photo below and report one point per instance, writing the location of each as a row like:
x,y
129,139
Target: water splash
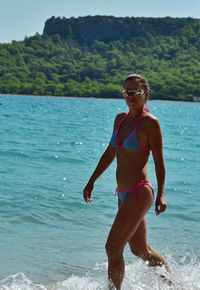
x,y
19,281
138,277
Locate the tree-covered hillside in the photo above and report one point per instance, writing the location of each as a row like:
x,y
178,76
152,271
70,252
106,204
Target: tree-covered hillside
x,y
90,57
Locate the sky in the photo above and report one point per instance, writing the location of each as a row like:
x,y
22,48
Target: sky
x,y
20,18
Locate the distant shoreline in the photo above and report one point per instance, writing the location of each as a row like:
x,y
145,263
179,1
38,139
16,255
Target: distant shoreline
x,y
43,96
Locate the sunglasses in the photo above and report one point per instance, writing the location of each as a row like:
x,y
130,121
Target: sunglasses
x,y
134,92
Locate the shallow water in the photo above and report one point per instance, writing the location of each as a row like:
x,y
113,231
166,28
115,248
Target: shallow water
x,y
49,236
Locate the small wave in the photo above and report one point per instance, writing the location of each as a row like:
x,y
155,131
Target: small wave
x,y
19,282
76,143
15,153
63,159
183,217
138,276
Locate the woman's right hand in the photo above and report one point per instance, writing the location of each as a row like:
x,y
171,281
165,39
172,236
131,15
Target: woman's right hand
x,y
87,191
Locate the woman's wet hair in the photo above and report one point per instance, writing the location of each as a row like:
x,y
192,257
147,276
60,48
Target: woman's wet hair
x,y
142,80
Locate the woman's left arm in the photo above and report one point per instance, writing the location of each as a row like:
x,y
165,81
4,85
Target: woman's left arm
x,y
156,145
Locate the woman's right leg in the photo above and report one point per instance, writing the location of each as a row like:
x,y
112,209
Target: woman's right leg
x,y
128,218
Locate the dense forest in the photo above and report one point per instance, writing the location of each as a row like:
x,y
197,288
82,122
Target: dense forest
x,y
90,56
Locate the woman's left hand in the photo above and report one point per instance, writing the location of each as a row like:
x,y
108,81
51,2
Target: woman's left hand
x,y
160,205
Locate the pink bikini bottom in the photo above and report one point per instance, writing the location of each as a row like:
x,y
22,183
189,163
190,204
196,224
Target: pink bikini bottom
x,y
136,190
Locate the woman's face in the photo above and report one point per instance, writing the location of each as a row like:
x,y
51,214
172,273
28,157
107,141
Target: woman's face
x,y
134,94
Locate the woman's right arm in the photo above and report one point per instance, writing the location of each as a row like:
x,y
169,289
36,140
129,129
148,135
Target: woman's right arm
x,y
104,162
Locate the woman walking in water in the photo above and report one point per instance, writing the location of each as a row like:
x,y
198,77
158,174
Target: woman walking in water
x,y
135,134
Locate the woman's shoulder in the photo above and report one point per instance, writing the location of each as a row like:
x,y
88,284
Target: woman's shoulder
x,y
149,116
151,121
118,118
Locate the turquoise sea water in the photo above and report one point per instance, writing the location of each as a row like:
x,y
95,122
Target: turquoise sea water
x,y
51,239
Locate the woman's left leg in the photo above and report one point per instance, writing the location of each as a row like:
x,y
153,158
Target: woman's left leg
x,y
128,218
139,247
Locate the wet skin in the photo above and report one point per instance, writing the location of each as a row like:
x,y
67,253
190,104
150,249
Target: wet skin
x,y
130,224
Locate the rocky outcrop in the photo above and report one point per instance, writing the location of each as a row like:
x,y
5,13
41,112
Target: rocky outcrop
x,y
87,29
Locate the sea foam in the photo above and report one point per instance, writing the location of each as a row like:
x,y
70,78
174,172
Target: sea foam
x,y
138,277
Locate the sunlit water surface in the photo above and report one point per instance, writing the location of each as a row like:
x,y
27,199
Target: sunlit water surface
x,y
51,239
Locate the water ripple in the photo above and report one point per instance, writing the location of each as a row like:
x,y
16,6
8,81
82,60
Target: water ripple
x,y
49,148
